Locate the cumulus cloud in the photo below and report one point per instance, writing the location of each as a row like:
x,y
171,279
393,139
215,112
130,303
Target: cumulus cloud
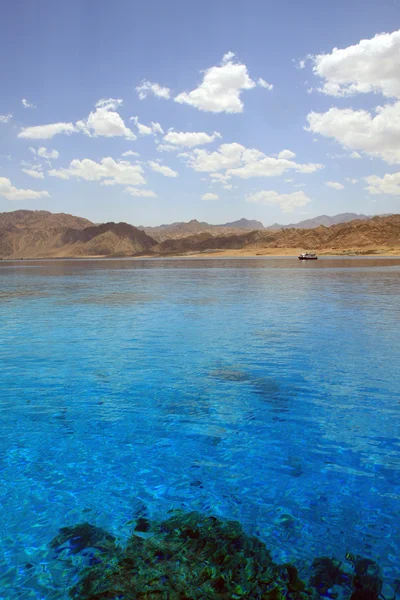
x,y
351,180
5,118
146,88
7,190
221,88
388,184
44,153
210,196
166,171
335,185
105,121
151,129
46,132
359,130
287,202
166,148
141,193
288,154
26,104
34,173
369,66
238,161
130,153
107,171
264,84
190,139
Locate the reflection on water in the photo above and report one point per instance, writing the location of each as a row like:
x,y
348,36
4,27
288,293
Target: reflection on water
x,y
261,390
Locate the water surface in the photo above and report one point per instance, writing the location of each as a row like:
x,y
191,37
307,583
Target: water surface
x,y
259,389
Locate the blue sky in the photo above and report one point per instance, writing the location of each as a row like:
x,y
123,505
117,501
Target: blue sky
x,y
232,109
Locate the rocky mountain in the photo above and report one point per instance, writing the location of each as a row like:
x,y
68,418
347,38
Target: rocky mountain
x,y
181,229
244,224
41,219
28,235
364,235
322,220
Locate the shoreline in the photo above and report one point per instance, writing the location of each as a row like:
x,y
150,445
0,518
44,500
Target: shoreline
x,y
231,253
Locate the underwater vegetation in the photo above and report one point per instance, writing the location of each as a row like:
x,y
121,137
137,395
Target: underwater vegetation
x,y
191,556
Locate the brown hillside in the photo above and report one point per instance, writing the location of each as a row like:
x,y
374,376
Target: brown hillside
x,y
24,235
41,219
194,227
108,239
379,232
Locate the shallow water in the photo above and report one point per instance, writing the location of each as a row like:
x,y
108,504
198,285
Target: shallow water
x,y
264,390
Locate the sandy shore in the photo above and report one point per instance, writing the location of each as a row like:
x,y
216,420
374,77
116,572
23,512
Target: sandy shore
x,y
243,252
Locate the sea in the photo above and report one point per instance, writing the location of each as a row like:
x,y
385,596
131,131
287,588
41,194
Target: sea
x,y
262,390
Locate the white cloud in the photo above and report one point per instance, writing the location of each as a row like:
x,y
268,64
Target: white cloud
x,y
46,132
5,118
388,184
227,57
7,190
34,173
156,127
288,154
190,139
350,180
335,185
109,103
210,196
26,104
166,171
377,135
146,88
141,193
151,129
289,180
355,155
107,171
44,153
262,83
130,153
221,88
239,161
287,202
227,155
167,148
105,121
369,66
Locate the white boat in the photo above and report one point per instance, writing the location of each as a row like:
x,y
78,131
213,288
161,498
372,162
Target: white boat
x,y
308,256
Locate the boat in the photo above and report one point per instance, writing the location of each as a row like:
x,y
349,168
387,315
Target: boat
x,y
308,256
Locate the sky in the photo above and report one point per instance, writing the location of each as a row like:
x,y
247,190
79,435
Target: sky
x,y
155,112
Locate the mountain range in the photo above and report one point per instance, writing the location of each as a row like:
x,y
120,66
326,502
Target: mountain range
x,y
40,234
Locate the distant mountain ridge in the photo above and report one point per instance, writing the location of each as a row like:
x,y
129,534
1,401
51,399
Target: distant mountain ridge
x,y
41,234
182,229
324,220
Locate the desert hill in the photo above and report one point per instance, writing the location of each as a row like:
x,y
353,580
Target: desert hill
x,y
40,234
194,227
321,220
41,219
377,232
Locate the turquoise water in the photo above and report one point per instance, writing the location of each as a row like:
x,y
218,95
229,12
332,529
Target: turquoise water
x,y
262,390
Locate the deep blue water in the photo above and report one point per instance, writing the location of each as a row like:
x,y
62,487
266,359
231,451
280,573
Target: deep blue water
x,y
263,390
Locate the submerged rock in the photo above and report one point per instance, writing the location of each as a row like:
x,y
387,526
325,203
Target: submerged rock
x,y
189,556
82,536
367,581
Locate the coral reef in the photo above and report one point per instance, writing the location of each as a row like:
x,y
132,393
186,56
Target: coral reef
x,y
193,557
